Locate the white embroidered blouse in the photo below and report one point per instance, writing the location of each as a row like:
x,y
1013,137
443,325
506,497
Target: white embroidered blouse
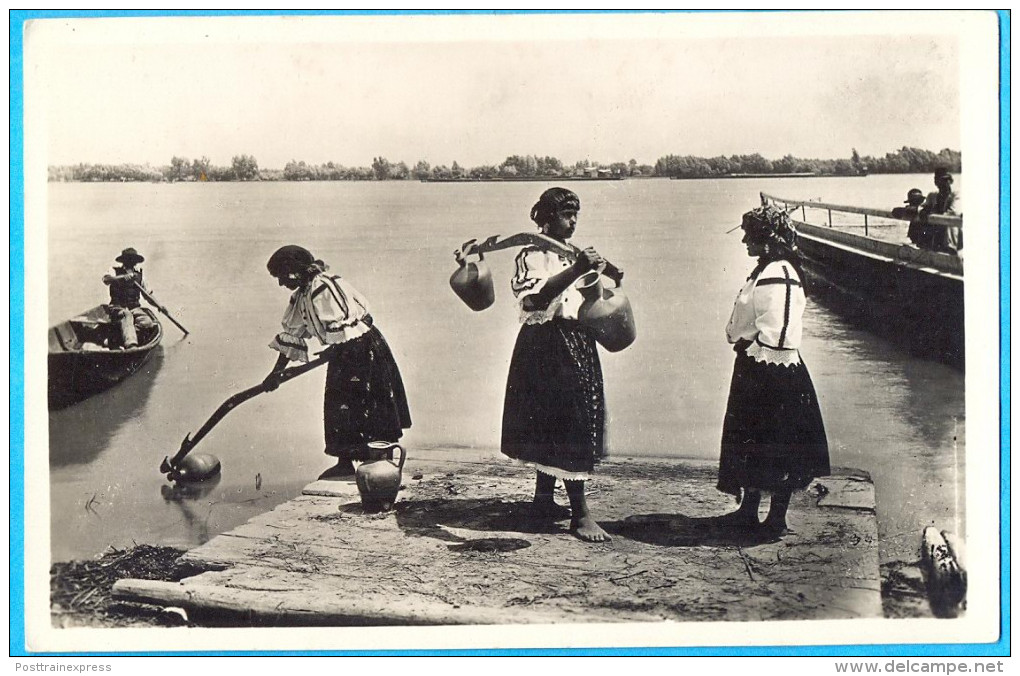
x,y
534,267
329,309
769,312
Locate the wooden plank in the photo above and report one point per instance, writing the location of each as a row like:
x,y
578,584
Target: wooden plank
x,y
304,607
935,219
945,578
895,254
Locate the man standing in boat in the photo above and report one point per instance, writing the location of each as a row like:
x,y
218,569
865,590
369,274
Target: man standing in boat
x,y
918,232
126,285
946,202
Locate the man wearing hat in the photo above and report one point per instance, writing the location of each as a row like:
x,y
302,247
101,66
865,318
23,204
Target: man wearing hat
x,y
124,282
944,202
918,232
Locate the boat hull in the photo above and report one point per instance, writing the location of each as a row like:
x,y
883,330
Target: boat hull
x,y
912,297
75,374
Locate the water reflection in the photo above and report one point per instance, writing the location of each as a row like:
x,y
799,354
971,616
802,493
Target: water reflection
x,y
899,418
186,497
78,434
933,402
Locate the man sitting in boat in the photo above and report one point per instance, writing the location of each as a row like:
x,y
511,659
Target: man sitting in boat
x,y
125,282
947,239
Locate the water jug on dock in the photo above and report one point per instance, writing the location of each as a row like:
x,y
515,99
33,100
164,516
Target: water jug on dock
x,y
607,312
472,282
378,477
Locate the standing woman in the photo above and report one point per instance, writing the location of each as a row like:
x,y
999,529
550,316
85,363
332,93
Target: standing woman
x,y
554,411
364,399
773,437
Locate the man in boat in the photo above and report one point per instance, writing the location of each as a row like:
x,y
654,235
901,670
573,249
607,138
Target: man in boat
x,y
918,232
126,285
947,239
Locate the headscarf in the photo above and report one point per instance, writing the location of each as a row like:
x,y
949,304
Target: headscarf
x,y
294,260
551,201
772,226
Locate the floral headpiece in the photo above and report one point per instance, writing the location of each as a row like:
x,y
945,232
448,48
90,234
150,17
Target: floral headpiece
x,y
770,225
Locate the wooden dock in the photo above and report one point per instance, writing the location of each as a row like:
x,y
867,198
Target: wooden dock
x,y
455,550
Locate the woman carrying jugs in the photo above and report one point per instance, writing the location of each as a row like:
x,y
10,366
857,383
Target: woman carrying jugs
x,y
554,413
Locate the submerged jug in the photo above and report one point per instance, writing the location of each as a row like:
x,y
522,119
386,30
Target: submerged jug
x,y
472,282
378,477
607,312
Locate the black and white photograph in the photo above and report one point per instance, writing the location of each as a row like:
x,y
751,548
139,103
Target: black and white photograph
x,y
511,330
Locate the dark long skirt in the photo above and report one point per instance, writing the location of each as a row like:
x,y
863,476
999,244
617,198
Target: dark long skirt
x,y
365,399
554,413
773,436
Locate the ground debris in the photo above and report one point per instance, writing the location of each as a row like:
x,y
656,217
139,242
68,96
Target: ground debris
x,y
80,590
903,592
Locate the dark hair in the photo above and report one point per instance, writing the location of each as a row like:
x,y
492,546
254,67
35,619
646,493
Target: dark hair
x,y
551,201
294,260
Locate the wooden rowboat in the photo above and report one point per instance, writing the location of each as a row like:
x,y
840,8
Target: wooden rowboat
x,y
910,295
84,361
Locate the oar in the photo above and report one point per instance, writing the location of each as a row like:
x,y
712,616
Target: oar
x,y
155,303
204,466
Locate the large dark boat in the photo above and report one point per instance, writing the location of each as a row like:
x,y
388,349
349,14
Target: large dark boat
x,y
864,268
84,359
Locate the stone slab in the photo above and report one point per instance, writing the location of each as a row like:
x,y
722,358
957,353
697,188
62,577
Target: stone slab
x,y
456,550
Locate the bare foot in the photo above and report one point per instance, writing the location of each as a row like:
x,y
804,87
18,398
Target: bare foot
x,y
588,530
342,470
775,527
738,519
547,509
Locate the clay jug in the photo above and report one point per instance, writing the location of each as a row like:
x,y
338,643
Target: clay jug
x,y
378,477
196,467
472,282
607,312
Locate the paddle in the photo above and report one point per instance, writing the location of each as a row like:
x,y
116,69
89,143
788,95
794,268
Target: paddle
x,y
155,304
209,466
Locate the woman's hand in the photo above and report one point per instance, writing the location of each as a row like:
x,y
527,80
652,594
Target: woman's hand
x,y
272,381
589,259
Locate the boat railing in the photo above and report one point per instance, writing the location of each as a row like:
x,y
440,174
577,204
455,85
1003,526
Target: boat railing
x,y
804,205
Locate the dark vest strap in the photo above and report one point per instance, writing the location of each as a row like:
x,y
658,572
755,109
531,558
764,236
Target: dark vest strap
x,y
776,280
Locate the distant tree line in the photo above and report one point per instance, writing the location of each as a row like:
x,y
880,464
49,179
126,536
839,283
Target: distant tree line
x,y
242,168
903,161
246,168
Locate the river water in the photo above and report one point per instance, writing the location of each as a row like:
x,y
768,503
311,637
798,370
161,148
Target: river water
x,y
897,417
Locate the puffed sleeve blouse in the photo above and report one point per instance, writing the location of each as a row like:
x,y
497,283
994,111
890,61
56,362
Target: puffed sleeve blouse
x,y
533,268
769,313
328,309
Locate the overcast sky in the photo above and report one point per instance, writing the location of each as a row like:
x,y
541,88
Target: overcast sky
x,y
477,89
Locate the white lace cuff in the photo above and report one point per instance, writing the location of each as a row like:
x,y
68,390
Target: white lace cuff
x,y
293,348
539,316
771,355
556,471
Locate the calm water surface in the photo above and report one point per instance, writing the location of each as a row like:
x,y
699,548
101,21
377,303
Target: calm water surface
x,y
899,418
